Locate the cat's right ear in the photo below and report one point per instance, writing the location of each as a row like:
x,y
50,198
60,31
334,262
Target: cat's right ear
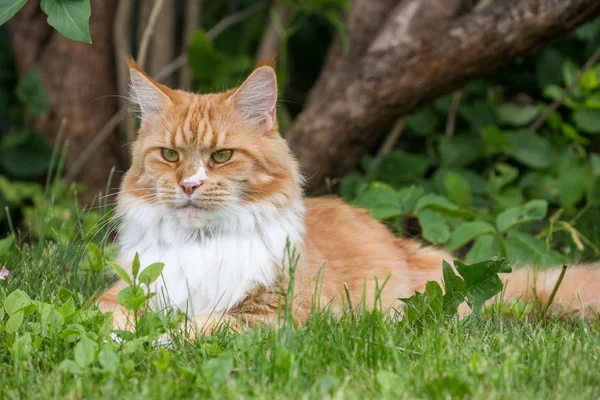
x,y
150,96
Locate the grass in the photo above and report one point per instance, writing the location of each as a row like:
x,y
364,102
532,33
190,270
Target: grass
x,y
363,355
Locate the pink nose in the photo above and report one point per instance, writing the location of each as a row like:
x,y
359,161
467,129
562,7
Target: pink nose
x,y
189,188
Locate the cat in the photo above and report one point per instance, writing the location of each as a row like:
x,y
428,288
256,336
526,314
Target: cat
x,y
215,193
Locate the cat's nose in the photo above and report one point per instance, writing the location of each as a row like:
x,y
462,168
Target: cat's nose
x,y
189,188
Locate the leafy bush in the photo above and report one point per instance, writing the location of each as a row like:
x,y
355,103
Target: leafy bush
x,y
513,178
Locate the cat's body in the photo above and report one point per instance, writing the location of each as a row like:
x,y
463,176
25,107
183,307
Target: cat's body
x,y
215,194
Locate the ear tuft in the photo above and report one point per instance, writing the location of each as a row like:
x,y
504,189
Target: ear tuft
x,y
257,97
150,96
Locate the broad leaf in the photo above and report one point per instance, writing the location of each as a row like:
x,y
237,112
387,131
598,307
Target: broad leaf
x,y
16,301
485,247
8,8
458,189
532,211
455,289
399,168
69,17
120,272
130,298
587,120
517,116
531,149
85,352
441,205
467,232
151,273
433,226
460,150
426,305
573,179
524,249
380,200
482,281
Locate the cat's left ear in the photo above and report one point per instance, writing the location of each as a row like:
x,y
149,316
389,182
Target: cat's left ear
x,y
257,97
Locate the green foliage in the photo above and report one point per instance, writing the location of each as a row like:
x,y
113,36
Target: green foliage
x,y
475,284
70,17
494,186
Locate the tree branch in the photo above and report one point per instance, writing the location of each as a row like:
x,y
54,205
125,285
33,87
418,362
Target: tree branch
x,y
340,123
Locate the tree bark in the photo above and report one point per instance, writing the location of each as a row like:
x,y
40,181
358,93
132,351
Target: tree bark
x,y
358,97
80,80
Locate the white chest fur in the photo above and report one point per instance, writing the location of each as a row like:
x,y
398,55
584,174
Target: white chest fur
x,y
210,266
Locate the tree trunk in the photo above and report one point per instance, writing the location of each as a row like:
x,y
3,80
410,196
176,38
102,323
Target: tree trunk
x,y
80,80
400,66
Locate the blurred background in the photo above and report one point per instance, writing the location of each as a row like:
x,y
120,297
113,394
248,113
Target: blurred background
x,y
473,125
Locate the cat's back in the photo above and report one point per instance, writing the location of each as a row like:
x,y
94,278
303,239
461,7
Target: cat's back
x,y
342,235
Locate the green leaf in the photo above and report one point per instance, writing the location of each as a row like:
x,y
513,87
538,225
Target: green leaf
x,y
548,67
120,272
28,159
69,17
5,245
151,273
14,322
485,247
22,347
495,138
570,71
593,101
380,200
517,116
501,176
531,149
425,121
573,179
460,150
70,366
351,185
135,266
482,280
85,352
593,195
524,249
595,164
479,114
587,120
433,226
468,231
424,306
399,168
204,61
458,189
31,92
532,211
409,196
16,301
455,289
108,359
8,8
441,205
130,298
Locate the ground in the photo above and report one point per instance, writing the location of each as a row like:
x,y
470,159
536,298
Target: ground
x,y
363,355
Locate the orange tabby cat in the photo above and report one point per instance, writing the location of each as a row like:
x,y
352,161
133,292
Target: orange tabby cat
x,y
215,193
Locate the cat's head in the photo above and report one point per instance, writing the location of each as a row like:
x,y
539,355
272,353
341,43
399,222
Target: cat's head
x,y
198,155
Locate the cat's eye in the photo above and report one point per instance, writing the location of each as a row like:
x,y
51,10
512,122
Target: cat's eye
x,y
222,156
169,155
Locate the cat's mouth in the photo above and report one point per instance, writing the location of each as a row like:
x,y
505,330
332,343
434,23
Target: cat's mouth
x,y
192,207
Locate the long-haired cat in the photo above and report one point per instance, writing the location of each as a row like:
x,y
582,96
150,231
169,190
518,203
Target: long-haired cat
x,y
215,193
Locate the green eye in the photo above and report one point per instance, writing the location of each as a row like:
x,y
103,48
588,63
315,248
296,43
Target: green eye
x,y
222,156
170,155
